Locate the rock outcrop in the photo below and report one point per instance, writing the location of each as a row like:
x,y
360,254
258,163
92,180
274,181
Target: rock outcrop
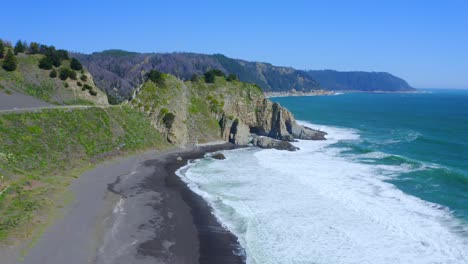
x,y
232,111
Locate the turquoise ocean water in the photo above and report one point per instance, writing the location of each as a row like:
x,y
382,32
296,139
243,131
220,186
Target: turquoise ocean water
x,y
416,129
390,185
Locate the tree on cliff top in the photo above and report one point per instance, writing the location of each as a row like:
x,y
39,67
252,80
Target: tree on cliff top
x,y
155,76
10,63
211,74
19,47
33,48
76,65
2,47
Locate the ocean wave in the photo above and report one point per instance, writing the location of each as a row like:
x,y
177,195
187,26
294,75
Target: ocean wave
x,y
318,205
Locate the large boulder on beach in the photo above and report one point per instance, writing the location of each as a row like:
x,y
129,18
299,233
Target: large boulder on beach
x,y
218,156
303,132
271,143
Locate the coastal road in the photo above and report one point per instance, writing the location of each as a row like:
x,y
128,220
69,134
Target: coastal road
x,y
15,100
17,103
32,109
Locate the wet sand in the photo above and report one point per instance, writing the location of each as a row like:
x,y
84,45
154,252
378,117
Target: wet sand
x,y
135,210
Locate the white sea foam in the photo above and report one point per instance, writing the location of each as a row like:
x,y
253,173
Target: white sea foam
x,y
315,206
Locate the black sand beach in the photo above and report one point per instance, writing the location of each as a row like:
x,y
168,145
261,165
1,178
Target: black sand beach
x,y
135,210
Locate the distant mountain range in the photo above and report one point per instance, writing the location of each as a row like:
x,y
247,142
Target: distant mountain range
x,y
359,81
120,72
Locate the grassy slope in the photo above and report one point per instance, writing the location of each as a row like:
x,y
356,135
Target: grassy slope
x,y
29,79
41,152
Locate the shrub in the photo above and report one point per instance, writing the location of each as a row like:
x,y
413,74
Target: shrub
x,y
76,65
19,47
168,120
112,99
84,78
66,73
216,106
10,63
45,63
194,78
72,75
163,111
92,92
211,75
232,77
53,73
66,85
79,84
155,76
87,87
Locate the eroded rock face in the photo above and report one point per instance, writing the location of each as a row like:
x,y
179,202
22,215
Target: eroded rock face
x,y
277,122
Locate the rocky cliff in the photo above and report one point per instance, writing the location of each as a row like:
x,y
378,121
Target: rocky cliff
x,y
237,112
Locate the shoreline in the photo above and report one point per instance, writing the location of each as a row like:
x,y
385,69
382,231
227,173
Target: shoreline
x,y
135,210
291,94
175,225
216,244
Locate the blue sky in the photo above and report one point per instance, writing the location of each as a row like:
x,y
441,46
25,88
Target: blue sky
x,y
424,42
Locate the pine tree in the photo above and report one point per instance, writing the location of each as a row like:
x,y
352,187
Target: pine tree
x,y
10,63
19,47
2,47
45,63
76,65
33,48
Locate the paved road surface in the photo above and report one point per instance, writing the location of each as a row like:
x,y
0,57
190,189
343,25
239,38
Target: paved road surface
x,y
18,100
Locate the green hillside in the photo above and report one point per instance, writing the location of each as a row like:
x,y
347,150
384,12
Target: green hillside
x,y
61,83
41,152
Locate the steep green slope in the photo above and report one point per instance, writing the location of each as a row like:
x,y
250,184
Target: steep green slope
x,y
29,79
40,153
